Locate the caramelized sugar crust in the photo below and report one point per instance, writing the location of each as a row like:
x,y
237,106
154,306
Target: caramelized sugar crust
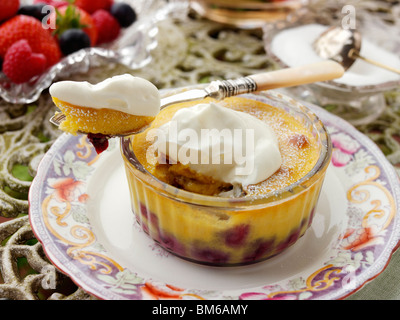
x,y
103,121
298,148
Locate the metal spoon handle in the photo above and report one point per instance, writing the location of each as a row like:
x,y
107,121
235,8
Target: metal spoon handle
x,y
221,89
355,54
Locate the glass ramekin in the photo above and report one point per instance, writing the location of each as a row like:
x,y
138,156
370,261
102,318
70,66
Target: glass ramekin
x,y
222,231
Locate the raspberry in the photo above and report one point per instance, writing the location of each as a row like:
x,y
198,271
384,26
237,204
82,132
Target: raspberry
x,y
25,27
107,26
21,64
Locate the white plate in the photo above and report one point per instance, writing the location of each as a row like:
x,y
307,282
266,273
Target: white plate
x,y
80,211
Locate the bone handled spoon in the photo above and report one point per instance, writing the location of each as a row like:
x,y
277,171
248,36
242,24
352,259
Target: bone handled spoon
x,y
221,89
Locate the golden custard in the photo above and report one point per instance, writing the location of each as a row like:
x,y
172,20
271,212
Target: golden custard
x,y
103,121
297,145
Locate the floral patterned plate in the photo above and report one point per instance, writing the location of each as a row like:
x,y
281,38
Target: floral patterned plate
x,y
80,211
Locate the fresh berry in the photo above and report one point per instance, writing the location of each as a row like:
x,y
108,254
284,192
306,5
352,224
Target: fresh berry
x,y
72,17
169,242
91,6
124,13
25,27
260,249
107,26
209,255
33,10
21,64
73,40
99,141
8,9
236,236
290,240
54,3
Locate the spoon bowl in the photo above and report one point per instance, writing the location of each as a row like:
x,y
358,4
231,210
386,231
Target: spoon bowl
x,y
343,46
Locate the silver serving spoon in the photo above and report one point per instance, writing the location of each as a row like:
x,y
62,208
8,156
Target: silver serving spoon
x,y
343,46
221,89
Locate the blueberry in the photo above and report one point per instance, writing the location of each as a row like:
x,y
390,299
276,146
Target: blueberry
x,y
73,40
34,10
124,14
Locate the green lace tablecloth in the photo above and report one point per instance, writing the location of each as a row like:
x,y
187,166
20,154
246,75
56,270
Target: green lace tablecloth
x,y
188,52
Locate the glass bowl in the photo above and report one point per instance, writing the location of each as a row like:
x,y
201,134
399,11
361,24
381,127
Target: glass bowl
x,y
358,103
132,49
222,231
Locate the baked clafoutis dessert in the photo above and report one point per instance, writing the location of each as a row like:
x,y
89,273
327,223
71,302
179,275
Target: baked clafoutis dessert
x,y
115,106
230,182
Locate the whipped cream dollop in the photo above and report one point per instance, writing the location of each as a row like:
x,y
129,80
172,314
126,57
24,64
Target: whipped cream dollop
x,y
125,93
228,145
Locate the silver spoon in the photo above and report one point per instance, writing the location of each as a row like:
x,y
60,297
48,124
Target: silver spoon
x,y
221,89
343,46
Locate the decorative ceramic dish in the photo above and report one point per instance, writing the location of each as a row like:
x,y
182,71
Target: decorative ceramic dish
x,y
80,211
132,49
